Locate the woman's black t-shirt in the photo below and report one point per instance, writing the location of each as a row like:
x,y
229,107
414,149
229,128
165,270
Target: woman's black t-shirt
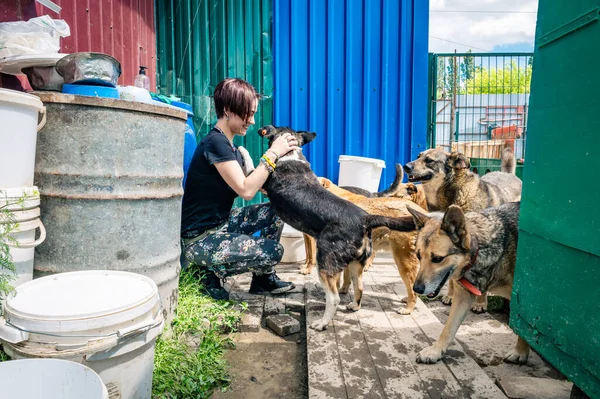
x,y
207,198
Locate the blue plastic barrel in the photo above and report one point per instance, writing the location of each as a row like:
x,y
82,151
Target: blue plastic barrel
x,y
190,143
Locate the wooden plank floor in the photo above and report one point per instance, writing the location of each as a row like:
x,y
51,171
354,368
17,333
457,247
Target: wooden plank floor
x,y
371,353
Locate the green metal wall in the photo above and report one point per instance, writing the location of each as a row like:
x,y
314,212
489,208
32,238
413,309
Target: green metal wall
x,y
201,42
556,297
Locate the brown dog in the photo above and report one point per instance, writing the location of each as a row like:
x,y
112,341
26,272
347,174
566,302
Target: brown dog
x,y
401,244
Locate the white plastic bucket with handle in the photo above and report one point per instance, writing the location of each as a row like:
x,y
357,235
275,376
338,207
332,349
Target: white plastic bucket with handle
x,y
49,378
360,172
19,114
292,241
23,221
105,320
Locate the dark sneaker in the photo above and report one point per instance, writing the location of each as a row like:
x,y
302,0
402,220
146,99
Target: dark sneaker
x,y
212,286
269,283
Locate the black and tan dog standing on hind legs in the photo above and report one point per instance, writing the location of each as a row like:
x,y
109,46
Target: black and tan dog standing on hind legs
x,y
342,229
478,252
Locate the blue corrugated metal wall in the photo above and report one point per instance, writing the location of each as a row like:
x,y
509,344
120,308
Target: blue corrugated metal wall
x,y
355,72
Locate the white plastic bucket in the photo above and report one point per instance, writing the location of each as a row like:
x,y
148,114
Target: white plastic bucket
x,y
292,241
19,115
49,378
360,172
23,205
106,320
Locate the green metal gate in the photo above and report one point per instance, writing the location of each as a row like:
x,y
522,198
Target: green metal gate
x,y
201,42
479,104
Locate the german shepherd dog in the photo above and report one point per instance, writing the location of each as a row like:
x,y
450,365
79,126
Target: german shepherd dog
x,y
476,250
400,244
447,180
342,229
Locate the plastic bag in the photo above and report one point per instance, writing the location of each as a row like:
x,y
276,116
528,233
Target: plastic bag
x,y
40,35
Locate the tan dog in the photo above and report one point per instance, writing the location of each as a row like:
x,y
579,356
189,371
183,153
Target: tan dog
x,y
401,244
477,251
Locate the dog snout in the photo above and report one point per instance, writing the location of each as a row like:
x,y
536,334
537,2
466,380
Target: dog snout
x,y
408,168
419,287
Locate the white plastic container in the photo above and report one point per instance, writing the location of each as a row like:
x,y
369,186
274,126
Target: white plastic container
x,y
24,222
49,378
19,115
106,320
293,245
360,172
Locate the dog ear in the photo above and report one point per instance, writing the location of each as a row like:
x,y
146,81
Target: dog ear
x,y
411,189
456,160
307,137
419,218
455,225
325,182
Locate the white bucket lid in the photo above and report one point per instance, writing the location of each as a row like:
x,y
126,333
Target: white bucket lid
x,y
13,195
20,98
380,163
80,301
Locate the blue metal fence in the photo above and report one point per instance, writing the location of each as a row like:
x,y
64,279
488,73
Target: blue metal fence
x,y
355,72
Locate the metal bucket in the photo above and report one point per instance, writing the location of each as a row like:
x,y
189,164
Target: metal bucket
x,y
109,174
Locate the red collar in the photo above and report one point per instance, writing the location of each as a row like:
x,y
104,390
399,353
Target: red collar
x,y
464,282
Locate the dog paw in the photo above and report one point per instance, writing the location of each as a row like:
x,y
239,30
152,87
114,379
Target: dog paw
x,y
405,310
305,270
447,300
318,325
429,355
353,307
516,357
479,308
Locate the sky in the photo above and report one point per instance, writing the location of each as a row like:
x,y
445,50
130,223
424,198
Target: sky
x,y
482,25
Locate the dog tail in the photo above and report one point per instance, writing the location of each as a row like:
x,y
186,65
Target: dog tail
x,y
393,188
509,164
405,223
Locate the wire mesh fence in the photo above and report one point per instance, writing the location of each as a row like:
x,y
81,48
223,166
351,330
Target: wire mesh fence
x,y
479,105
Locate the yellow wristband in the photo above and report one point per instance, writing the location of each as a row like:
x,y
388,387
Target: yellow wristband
x,y
271,164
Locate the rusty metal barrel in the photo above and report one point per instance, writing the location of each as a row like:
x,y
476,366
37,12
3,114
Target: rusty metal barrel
x,y
109,174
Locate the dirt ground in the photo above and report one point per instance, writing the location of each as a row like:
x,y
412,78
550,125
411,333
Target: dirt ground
x,y
265,365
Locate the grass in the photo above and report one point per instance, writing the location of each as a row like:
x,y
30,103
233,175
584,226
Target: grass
x,y
189,362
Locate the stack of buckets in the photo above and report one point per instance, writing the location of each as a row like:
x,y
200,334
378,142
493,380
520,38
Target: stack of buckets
x,y
67,330
19,114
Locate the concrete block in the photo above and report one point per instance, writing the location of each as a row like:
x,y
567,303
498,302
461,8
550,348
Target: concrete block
x,y
283,324
274,305
251,320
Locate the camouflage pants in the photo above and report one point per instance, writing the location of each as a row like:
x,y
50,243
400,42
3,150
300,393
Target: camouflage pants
x,y
232,249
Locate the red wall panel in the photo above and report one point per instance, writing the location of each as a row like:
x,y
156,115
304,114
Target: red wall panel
x,y
121,28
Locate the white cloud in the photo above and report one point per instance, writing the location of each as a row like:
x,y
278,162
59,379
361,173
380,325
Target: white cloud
x,y
480,31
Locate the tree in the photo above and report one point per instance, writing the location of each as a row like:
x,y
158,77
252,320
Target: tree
x,y
467,67
509,79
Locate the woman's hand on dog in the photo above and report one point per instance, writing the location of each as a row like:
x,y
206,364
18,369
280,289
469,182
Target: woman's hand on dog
x,y
284,144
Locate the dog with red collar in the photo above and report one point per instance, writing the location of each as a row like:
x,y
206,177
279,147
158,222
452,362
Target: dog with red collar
x,y
478,252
